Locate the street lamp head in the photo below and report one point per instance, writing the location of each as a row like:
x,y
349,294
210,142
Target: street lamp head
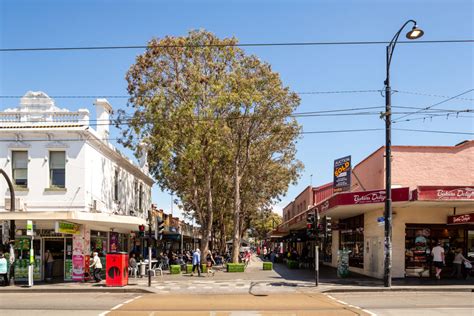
x,y
415,33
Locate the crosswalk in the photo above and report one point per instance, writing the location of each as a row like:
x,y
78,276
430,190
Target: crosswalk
x,y
228,286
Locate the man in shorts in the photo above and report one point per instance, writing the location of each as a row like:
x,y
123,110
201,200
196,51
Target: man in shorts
x,y
438,259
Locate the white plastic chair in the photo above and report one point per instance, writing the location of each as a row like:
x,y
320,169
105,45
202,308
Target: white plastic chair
x,y
157,269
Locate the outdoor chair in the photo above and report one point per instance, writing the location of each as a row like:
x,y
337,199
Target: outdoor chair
x,y
156,269
133,271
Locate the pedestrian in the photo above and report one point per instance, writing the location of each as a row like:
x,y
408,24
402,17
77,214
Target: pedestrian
x,y
265,252
49,263
197,262
438,259
97,265
457,263
3,269
209,263
133,265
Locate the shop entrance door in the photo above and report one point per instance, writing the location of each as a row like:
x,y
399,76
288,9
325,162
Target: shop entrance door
x,y
55,245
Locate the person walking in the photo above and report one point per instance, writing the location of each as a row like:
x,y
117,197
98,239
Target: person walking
x,y
3,269
49,263
197,262
438,259
210,262
97,265
133,265
457,263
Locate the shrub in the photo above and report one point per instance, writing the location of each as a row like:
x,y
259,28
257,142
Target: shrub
x,y
235,267
267,266
175,269
292,264
189,268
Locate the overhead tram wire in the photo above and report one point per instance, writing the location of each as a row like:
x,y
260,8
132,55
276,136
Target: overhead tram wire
x,y
282,44
303,133
324,113
398,119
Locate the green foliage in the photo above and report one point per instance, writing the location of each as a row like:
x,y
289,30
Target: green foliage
x,y
216,126
292,264
235,267
189,268
267,266
175,269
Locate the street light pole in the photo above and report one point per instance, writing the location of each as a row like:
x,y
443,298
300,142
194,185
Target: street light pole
x,y
413,34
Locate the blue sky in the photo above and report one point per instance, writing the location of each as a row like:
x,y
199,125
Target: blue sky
x,y
434,69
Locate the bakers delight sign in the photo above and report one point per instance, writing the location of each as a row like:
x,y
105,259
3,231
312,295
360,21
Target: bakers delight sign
x,y
371,197
461,219
445,193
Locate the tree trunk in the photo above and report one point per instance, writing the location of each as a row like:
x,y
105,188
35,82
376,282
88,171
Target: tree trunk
x,y
208,224
236,232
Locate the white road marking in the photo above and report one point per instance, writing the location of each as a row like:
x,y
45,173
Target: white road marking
x,y
119,305
349,305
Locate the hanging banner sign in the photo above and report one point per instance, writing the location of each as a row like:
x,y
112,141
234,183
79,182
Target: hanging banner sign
x,y
461,219
29,228
342,174
67,228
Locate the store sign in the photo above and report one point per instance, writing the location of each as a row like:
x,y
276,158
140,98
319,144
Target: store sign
x,y
67,228
342,174
444,193
30,228
461,219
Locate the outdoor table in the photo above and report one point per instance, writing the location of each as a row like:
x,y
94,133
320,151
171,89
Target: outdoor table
x,y
143,266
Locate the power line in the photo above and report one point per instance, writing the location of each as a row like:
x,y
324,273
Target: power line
x,y
433,105
281,44
127,96
433,131
430,117
431,95
323,113
303,133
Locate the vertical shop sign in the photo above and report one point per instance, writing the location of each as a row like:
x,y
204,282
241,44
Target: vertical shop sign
x,y
342,174
29,228
78,256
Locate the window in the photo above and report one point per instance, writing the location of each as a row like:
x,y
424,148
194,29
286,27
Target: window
x,y
116,185
140,198
352,238
57,169
20,168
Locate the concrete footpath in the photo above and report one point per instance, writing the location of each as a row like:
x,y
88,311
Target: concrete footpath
x,y
253,280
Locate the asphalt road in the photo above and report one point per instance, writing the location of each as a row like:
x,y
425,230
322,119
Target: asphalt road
x,y
70,304
412,303
175,305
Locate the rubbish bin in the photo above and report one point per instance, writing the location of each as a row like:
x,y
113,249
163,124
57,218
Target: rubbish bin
x,y
116,272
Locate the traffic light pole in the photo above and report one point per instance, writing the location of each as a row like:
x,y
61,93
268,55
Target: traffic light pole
x,y
149,248
316,262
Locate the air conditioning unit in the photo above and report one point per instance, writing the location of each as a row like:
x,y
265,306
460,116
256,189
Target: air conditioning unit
x,y
18,204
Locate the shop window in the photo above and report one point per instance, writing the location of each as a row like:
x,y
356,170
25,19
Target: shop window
x,y
20,168
57,169
140,198
352,239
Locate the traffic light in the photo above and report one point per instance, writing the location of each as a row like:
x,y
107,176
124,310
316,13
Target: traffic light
x,y
327,226
141,230
160,226
310,224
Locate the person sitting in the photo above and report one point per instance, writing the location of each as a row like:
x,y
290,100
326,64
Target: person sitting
x,y
3,269
133,266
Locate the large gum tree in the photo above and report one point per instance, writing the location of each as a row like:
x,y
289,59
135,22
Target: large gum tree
x,y
217,126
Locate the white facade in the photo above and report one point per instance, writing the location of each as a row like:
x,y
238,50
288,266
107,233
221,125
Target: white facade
x,y
94,169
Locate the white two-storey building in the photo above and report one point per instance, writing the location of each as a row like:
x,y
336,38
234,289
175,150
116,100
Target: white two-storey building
x,y
80,192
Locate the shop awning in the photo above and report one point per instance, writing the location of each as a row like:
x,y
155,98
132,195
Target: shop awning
x,y
95,220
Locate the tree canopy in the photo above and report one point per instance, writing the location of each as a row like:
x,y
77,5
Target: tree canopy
x,y
217,126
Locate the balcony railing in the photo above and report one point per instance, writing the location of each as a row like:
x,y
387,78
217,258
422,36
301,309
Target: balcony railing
x,y
18,119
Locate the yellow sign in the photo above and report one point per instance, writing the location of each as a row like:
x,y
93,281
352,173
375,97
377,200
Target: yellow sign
x,y
67,228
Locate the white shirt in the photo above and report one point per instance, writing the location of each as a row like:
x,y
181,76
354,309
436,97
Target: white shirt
x,y
437,253
96,263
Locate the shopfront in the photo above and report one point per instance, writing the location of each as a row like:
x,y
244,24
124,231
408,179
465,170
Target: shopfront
x,y
421,238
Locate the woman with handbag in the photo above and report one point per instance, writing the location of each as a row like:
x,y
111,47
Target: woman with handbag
x,y
457,263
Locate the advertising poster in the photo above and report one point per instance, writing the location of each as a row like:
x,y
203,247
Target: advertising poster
x,y
78,255
114,242
342,174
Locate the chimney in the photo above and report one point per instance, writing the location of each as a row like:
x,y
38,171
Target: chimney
x,y
103,111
